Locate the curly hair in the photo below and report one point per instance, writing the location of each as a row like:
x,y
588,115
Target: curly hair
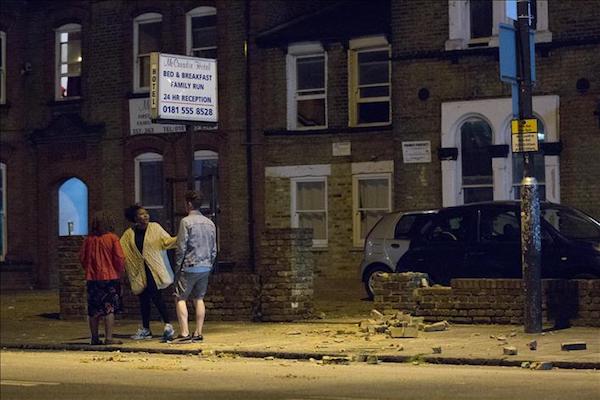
x,y
102,222
131,212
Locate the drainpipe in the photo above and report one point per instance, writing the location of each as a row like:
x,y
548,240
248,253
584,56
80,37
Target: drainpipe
x,y
249,164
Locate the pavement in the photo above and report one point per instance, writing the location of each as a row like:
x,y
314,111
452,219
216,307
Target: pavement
x,y
30,320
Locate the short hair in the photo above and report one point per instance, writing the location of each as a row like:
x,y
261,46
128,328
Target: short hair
x,y
194,197
131,212
102,222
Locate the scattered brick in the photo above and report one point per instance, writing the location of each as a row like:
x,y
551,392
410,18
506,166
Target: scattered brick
x,y
510,351
570,346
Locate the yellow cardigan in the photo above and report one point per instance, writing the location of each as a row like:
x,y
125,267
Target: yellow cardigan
x,y
156,241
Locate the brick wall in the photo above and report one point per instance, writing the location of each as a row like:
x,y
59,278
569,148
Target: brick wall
x,y
72,291
286,271
496,301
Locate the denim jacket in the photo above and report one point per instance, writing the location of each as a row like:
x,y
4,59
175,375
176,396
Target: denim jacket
x,y
196,243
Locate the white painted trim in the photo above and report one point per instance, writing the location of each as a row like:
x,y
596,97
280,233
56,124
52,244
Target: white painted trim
x,y
296,171
140,19
296,51
373,167
206,155
196,12
498,114
367,42
57,59
295,221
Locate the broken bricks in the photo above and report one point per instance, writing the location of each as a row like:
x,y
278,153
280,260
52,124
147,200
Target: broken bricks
x,y
570,346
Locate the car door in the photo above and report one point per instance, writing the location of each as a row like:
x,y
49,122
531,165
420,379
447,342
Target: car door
x,y
441,247
496,252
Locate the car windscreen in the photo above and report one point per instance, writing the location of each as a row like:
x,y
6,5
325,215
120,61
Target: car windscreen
x,y
571,223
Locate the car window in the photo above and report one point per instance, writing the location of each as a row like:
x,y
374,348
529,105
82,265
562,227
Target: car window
x,y
499,226
571,223
449,228
408,225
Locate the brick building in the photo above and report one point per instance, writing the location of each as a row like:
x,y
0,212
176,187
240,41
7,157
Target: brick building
x,y
331,113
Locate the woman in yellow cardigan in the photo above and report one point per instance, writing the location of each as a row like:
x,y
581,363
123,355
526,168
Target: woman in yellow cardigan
x,y
148,267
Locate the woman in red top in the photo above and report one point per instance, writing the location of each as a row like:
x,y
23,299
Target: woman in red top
x,y
103,262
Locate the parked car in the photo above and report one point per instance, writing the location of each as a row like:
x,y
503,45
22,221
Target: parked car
x,y
481,240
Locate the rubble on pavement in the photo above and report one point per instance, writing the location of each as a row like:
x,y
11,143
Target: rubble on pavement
x,y
398,325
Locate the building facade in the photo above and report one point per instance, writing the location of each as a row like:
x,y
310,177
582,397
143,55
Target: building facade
x,y
331,113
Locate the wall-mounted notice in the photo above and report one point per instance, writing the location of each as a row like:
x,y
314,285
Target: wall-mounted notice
x,y
183,88
416,152
140,123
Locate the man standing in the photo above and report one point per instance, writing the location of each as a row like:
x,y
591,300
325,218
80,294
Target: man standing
x,y
195,256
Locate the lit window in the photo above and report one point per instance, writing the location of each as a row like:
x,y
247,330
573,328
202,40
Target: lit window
x,y
2,67
538,165
369,82
146,39
372,197
149,180
73,208
68,61
206,164
476,161
201,28
307,83
309,207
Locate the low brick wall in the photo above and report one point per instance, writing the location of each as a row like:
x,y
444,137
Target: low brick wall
x,y
496,301
286,271
281,290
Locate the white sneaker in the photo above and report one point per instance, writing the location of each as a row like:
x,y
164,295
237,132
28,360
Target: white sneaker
x,y
168,332
142,333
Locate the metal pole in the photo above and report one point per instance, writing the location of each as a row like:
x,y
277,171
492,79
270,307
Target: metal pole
x,y
530,204
189,152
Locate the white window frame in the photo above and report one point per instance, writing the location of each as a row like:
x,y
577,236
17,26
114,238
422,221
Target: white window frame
x,y
3,212
459,160
498,114
459,24
146,18
196,12
356,46
356,222
145,157
295,223
68,28
295,52
3,68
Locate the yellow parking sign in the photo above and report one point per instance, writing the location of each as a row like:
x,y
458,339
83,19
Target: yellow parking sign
x,y
525,125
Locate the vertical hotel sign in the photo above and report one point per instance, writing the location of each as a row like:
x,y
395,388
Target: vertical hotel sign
x,y
183,89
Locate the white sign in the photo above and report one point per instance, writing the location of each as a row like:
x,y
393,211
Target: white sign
x,y
416,152
140,123
341,149
183,88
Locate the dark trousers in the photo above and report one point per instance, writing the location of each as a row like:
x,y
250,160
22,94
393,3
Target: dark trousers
x,y
152,295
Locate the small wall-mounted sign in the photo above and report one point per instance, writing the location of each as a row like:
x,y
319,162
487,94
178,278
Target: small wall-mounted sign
x,y
341,149
416,152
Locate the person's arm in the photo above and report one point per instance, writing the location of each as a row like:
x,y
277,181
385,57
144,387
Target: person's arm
x,y
167,241
118,256
180,245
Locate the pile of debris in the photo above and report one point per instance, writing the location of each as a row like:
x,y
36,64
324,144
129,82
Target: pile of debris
x,y
399,325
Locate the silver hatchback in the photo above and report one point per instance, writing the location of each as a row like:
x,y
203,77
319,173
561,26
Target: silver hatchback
x,y
388,241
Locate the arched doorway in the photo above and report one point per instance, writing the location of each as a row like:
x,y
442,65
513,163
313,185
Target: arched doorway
x,y
72,208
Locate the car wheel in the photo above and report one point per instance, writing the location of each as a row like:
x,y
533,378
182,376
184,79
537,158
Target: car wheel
x,y
369,278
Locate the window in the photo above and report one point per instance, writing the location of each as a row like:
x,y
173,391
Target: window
x,y
449,228
500,226
201,32
149,180
372,197
307,87
369,82
477,179
475,23
538,165
309,207
3,240
206,164
73,208
68,61
146,39
2,67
